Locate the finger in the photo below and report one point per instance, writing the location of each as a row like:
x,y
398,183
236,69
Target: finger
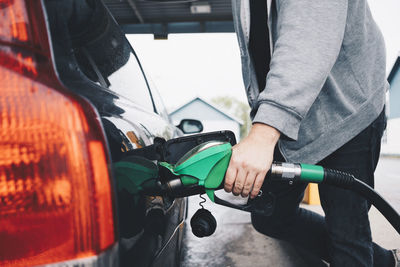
x,y
230,178
248,184
239,181
257,184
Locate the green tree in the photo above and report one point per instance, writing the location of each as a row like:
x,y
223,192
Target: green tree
x,y
237,108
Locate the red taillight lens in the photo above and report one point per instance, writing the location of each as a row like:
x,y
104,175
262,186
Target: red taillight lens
x,y
55,192
14,21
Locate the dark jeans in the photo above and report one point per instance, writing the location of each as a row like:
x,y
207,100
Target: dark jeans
x,y
343,236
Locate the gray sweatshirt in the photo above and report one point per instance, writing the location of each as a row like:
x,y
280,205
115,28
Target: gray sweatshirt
x,y
327,78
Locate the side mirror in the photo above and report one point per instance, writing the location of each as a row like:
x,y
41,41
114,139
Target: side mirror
x,y
189,126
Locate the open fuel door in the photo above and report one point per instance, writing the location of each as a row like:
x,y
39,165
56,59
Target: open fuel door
x,y
173,150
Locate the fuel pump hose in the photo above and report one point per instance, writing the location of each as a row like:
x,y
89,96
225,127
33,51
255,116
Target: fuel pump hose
x,y
293,172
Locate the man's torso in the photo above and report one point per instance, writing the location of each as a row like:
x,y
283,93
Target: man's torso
x,y
353,94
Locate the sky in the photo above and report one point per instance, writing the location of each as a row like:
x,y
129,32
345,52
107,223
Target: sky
x,y
207,65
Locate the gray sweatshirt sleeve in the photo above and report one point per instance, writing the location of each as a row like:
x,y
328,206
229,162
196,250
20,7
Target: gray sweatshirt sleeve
x,y
309,37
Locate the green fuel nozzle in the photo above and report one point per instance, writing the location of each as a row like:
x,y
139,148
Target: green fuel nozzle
x,y
296,172
204,166
202,170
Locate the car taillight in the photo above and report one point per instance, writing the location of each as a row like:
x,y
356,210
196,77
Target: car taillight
x,y
56,201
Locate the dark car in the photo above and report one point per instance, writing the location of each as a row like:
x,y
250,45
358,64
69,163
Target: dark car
x,y
73,100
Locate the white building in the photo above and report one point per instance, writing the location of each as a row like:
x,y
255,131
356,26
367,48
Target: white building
x,y
391,140
212,117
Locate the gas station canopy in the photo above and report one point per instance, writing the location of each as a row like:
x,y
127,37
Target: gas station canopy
x,y
165,16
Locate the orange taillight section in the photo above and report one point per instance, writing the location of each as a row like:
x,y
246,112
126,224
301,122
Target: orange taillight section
x,y
14,21
55,191
104,200
56,200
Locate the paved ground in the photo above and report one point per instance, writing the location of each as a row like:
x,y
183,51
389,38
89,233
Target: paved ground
x,y
236,244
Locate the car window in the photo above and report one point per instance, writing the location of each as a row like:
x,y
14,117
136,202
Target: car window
x,y
158,102
128,81
108,60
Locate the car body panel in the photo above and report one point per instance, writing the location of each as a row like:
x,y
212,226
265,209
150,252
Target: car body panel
x,y
89,48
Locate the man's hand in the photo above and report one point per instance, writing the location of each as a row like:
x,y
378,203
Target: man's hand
x,y
251,159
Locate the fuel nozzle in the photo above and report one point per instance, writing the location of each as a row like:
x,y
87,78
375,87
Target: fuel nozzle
x,y
285,171
176,188
296,172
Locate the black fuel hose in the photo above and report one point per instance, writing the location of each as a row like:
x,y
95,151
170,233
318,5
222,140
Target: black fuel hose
x,y
348,181
295,172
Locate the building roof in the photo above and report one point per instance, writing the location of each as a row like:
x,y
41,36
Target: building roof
x,y
395,69
224,113
162,17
